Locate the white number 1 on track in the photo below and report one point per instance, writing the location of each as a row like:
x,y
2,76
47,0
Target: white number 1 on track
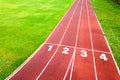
x,y
50,47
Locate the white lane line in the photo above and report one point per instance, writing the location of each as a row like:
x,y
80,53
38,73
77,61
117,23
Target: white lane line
x,y
116,65
73,56
23,64
59,22
79,48
76,40
91,40
73,60
52,44
58,45
102,52
67,69
108,46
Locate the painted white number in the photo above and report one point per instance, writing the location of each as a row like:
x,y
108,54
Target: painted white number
x,y
103,56
84,53
65,50
50,47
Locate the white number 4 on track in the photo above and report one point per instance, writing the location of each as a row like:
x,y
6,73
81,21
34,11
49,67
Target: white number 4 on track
x,y
103,56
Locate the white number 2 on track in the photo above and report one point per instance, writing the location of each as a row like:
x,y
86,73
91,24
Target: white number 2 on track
x,y
50,47
103,56
65,50
84,53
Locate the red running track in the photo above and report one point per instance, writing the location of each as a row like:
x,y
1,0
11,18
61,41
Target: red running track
x,y
76,50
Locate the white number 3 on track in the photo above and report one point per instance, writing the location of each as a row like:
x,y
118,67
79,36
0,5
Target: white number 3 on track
x,y
84,53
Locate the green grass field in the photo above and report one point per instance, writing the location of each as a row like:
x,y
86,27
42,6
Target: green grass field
x,y
108,13
24,25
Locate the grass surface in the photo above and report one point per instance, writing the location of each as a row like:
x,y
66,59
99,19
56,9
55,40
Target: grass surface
x,y
24,25
108,13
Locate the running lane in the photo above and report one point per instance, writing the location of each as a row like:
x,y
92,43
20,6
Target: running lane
x,y
83,63
106,67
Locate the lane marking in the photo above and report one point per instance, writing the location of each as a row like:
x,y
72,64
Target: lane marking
x,y
58,45
116,64
73,56
79,48
76,41
67,69
91,41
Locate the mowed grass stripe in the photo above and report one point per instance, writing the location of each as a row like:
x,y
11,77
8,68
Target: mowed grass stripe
x,y
24,25
108,13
